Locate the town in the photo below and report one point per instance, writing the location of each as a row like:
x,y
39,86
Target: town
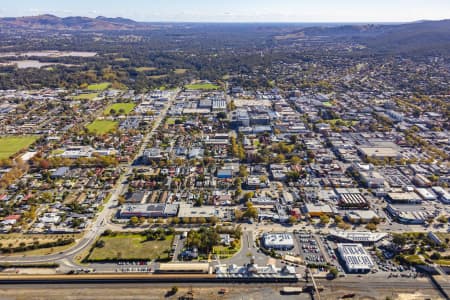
x,y
335,171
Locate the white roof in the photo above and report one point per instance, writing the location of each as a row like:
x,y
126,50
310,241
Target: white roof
x,y
355,257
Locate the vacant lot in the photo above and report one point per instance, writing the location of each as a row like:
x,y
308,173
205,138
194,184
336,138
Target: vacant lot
x,y
99,86
11,145
202,86
89,96
132,247
102,126
126,107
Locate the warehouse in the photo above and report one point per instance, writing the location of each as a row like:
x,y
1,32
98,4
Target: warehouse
x,y
279,241
355,258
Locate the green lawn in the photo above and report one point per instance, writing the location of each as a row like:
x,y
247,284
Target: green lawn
x,y
327,104
127,107
99,86
202,86
89,96
11,145
102,126
132,247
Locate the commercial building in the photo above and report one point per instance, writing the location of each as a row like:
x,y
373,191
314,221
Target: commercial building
x,y
279,241
315,210
355,258
404,198
362,237
149,210
190,211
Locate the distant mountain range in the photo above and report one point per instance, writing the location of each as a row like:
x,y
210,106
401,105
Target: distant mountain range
x,y
409,37
416,36
51,22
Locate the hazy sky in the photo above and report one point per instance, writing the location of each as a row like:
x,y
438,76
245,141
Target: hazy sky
x,y
237,10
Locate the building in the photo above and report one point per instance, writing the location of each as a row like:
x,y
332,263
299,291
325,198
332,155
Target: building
x,y
361,216
404,198
379,152
152,154
315,210
60,172
351,198
409,215
364,237
444,196
183,268
355,258
426,194
149,210
190,211
278,241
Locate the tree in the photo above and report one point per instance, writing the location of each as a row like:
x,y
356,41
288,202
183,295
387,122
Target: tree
x,y
442,219
371,226
295,160
134,221
292,220
238,214
324,219
248,196
399,239
333,272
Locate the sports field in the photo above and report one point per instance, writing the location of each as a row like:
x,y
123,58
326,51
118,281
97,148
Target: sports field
x,y
118,107
11,145
102,126
99,86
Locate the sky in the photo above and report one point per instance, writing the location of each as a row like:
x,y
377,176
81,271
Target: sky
x,y
237,10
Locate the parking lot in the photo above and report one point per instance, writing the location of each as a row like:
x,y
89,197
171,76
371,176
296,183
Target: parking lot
x,y
310,249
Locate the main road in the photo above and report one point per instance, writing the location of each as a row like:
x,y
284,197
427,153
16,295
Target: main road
x,y
68,257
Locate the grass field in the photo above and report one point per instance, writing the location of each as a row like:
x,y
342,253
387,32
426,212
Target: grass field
x,y
127,107
11,145
202,86
157,76
102,126
89,96
145,69
99,86
180,71
132,247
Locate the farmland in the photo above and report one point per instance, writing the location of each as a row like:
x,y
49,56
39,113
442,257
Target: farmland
x,y
11,145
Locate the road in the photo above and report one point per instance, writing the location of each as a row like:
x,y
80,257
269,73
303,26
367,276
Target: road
x,y
68,258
